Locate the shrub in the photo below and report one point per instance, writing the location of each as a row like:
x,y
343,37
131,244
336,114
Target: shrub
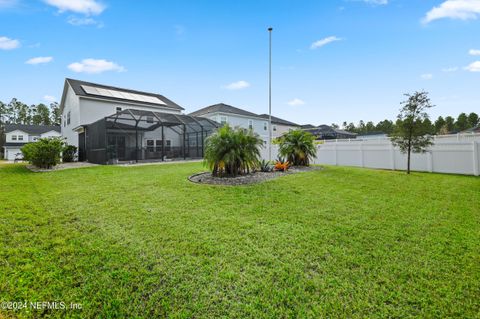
x,y
266,166
298,147
232,152
281,165
69,153
45,153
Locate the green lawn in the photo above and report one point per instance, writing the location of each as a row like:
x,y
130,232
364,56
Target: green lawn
x,y
145,242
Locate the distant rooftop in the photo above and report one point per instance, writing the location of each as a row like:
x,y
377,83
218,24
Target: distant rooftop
x,y
222,108
31,129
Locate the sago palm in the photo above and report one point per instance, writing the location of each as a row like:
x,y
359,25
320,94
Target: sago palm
x,y
230,152
298,147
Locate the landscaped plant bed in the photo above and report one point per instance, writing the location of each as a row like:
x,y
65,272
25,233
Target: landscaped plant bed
x,y
60,167
256,177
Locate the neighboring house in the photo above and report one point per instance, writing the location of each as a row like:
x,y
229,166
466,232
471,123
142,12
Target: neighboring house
x,y
472,130
280,126
110,124
236,117
325,132
376,135
17,135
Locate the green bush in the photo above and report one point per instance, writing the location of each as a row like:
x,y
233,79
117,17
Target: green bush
x,y
68,154
232,152
297,147
45,153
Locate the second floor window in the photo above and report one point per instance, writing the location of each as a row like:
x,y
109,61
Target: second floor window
x,y
149,119
20,137
68,118
265,126
119,109
274,128
223,119
250,124
14,137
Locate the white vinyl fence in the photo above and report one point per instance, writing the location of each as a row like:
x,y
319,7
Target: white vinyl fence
x,y
457,154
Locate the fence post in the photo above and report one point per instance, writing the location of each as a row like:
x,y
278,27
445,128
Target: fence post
x,y
336,155
392,156
430,161
362,163
475,158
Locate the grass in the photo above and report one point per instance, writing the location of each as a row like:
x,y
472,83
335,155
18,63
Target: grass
x,y
145,242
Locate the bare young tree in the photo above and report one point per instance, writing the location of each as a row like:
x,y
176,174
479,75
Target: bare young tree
x,y
411,134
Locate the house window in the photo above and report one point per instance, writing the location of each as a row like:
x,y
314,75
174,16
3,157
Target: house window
x,y
119,109
150,146
168,145
250,124
223,120
64,120
35,138
149,119
20,137
14,137
274,128
68,118
264,126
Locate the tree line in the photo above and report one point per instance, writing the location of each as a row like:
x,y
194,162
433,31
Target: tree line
x,y
17,112
440,126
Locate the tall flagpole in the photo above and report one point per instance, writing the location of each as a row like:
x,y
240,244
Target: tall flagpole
x,y
270,96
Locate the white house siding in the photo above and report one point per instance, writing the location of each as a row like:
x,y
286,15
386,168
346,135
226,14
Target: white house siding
x,y
71,105
235,120
12,151
17,133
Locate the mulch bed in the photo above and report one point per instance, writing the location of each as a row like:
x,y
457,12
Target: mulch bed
x,y
257,177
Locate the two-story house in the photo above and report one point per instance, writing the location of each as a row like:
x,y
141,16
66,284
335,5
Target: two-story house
x,y
236,117
17,135
111,123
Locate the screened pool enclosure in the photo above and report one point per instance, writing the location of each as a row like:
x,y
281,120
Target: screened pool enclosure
x,y
143,136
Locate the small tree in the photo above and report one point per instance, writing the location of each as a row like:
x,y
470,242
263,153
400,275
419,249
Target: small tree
x,y
411,134
69,153
298,147
45,153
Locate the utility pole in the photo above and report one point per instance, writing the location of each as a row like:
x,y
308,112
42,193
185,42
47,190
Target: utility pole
x,y
270,95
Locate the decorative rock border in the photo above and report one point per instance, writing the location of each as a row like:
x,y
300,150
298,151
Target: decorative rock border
x,y
257,177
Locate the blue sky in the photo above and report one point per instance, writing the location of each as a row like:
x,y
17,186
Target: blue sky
x,y
333,61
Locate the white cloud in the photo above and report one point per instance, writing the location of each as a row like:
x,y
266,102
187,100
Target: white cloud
x,y
473,67
322,42
8,44
450,69
50,98
94,66
239,85
84,21
87,7
474,52
296,102
454,9
426,76
39,60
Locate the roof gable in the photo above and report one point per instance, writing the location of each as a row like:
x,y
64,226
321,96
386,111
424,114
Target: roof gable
x,y
31,129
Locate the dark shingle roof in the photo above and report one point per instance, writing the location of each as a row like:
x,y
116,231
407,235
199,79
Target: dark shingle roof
x,y
223,108
31,129
77,88
305,126
277,120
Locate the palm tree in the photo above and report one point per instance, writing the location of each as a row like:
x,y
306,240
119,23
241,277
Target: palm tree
x,y
297,146
232,152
